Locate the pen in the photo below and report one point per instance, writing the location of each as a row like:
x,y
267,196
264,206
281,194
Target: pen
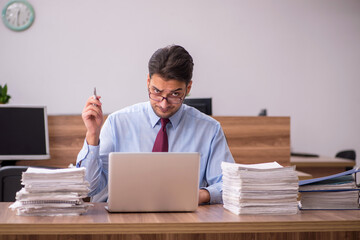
x,y
95,96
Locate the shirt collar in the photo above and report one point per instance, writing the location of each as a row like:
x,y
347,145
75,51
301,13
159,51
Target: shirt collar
x,y
174,119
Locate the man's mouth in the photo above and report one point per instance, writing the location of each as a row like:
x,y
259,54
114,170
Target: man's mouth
x,y
163,110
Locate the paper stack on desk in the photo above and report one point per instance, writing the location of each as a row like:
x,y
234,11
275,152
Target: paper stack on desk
x,y
334,192
266,188
52,192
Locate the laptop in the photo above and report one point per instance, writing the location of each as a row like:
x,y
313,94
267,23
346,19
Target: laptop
x,y
153,182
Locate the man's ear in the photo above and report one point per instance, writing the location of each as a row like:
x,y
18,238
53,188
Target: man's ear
x,y
148,80
188,88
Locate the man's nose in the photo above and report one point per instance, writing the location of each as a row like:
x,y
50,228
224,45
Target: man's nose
x,y
164,103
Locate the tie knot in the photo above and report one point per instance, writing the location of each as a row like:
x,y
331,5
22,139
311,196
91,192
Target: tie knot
x,y
164,121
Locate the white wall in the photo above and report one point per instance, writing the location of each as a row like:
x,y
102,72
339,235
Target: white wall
x,y
297,58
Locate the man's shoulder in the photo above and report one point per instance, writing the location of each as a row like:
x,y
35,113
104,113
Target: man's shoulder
x,y
200,117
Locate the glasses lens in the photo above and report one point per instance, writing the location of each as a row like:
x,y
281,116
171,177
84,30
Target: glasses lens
x,y
155,97
159,98
174,100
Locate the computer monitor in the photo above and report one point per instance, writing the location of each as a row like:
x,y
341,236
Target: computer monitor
x,y
23,132
202,104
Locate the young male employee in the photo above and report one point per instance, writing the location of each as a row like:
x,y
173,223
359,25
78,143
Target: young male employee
x,y
136,128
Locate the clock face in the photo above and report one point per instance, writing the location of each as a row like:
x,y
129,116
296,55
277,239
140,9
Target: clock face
x,y
18,15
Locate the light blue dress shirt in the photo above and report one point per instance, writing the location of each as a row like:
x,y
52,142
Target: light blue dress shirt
x,y
134,129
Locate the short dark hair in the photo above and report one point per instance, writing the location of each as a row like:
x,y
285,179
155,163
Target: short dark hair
x,y
172,62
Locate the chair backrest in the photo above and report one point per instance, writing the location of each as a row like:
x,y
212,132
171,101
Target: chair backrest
x,y
202,104
348,154
10,182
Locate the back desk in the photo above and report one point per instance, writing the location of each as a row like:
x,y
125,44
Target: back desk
x,y
250,139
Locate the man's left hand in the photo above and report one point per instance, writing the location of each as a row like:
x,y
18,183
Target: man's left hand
x,y
204,196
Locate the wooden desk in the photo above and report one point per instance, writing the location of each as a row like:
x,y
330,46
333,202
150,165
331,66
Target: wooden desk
x,y
321,166
208,222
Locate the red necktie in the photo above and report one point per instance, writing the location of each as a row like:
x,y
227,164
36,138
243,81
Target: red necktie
x,y
161,141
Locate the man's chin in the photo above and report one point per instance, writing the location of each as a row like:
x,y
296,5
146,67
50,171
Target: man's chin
x,y
164,114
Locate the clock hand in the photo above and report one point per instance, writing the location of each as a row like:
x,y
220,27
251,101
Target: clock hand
x,y
18,17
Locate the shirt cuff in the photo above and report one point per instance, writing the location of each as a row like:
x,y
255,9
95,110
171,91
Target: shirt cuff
x,y
86,154
215,193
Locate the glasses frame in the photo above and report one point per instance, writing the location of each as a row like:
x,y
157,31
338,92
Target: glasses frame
x,y
181,99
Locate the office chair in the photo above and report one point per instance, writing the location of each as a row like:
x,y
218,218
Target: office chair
x,y
348,154
204,105
10,182
263,112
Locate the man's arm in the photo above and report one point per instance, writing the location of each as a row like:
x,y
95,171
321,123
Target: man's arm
x,y
219,152
89,156
92,116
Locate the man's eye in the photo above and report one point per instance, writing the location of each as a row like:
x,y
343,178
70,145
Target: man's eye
x,y
156,91
175,94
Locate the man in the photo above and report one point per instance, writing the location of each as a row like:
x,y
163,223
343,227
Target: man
x,y
135,128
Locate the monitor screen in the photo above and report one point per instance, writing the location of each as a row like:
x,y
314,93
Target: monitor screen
x,y
23,132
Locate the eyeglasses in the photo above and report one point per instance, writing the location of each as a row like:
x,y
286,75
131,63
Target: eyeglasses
x,y
170,99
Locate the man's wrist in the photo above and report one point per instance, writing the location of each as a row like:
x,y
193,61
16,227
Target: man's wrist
x,y
92,139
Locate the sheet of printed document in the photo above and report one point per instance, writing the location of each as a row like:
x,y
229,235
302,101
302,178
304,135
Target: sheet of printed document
x,y
266,188
52,192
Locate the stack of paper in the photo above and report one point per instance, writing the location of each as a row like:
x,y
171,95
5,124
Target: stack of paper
x,y
338,191
266,188
52,192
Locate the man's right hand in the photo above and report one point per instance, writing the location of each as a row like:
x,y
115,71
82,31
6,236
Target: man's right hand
x,y
92,116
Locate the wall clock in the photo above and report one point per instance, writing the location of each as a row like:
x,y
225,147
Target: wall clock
x,y
18,15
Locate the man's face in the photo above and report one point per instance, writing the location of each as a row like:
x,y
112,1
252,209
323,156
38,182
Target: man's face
x,y
169,89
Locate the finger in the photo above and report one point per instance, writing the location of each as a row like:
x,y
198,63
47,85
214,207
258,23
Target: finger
x,y
91,107
92,120
97,101
86,115
92,111
92,101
